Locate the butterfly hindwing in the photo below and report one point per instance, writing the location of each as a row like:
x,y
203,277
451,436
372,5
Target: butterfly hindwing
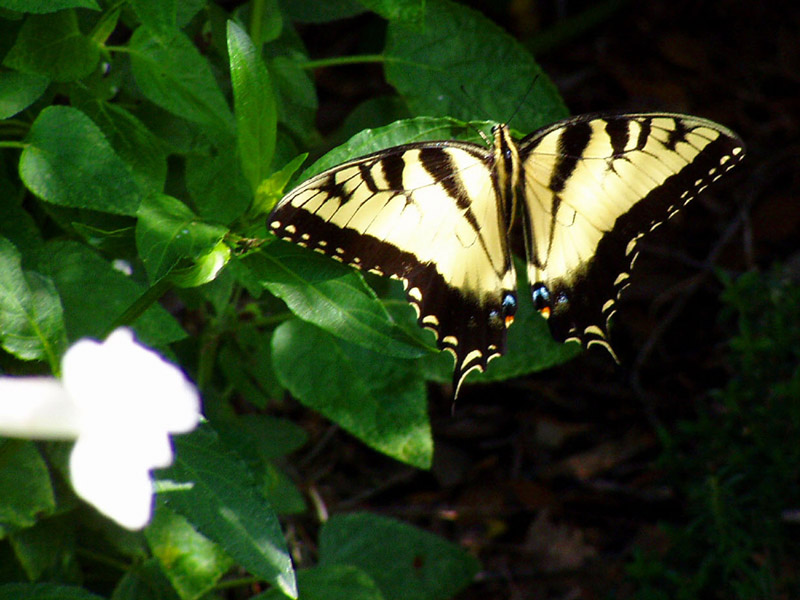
x,y
429,215
593,186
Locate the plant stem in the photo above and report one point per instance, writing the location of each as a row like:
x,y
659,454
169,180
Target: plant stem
x,y
141,304
344,60
256,19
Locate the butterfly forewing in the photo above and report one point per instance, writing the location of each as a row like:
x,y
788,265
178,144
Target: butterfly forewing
x,y
593,186
427,214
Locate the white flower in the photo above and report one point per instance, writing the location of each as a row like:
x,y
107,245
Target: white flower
x,y
120,401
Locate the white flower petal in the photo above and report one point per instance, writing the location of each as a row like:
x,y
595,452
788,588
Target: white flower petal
x,y
120,380
113,480
37,407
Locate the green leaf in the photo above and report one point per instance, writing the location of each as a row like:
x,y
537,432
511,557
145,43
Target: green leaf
x,y
18,91
259,439
167,231
406,563
47,6
476,70
254,104
218,188
25,481
406,131
314,11
378,399
271,189
331,582
273,437
296,96
17,224
47,551
268,27
69,162
205,269
191,562
224,504
52,46
173,74
187,9
332,296
31,317
406,11
143,152
94,295
158,15
145,581
45,591
246,364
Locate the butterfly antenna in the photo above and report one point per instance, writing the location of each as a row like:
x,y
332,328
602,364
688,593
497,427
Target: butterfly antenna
x,y
486,139
524,98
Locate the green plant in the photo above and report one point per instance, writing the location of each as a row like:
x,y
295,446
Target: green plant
x,y
737,464
143,143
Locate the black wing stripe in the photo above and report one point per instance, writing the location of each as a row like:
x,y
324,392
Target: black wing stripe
x,y
393,165
571,144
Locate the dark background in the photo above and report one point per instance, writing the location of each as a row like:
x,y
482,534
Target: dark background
x,y
554,479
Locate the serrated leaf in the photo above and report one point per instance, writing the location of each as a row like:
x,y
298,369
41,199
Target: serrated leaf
x,y
254,104
52,46
332,297
69,162
45,591
25,481
331,582
406,563
173,74
47,6
191,562
144,153
380,400
477,71
167,231
225,506
94,295
31,316
18,91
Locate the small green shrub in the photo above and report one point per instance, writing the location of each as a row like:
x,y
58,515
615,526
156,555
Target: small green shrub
x,y
738,464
